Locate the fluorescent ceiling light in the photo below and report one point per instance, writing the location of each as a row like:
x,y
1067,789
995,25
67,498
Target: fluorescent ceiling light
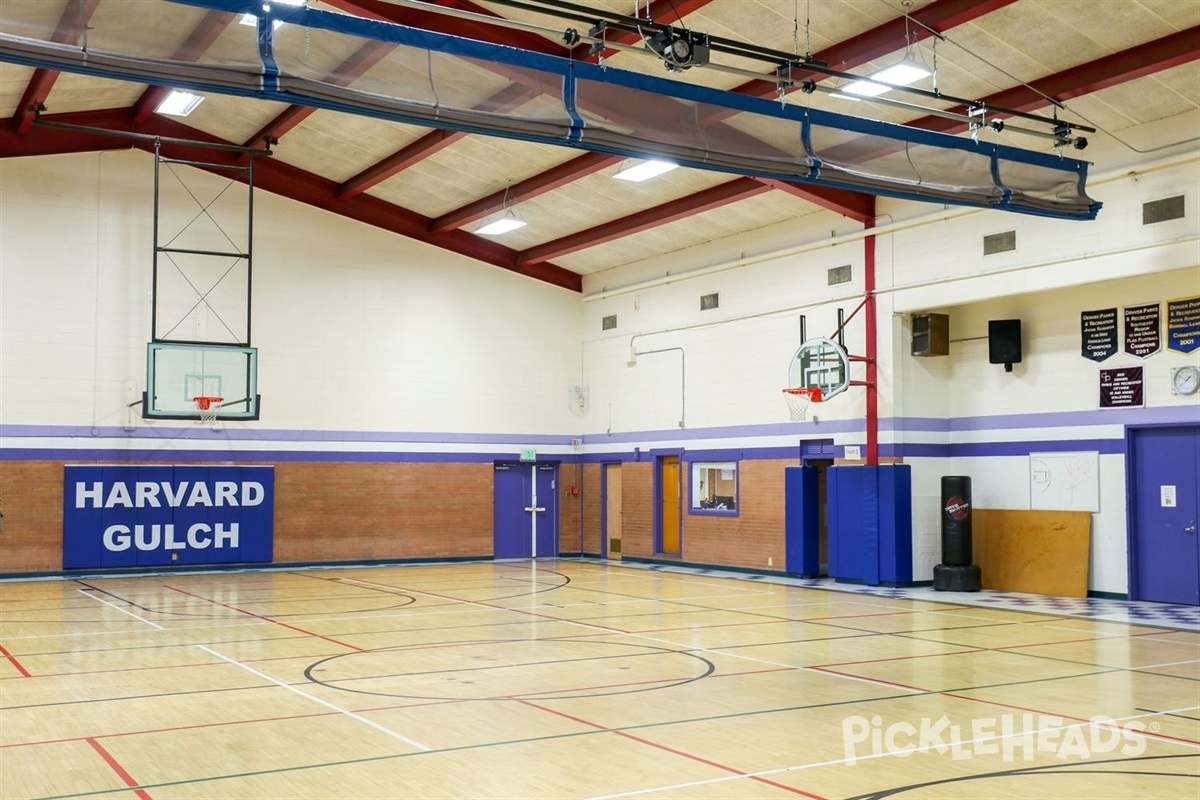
x,y
903,73
250,19
645,170
509,222
179,103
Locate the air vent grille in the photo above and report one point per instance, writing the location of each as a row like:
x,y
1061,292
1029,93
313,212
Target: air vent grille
x,y
999,243
710,301
609,323
1162,210
839,275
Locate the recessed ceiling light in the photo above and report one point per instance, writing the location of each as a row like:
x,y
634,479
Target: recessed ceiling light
x,y
645,170
250,19
179,103
509,222
903,73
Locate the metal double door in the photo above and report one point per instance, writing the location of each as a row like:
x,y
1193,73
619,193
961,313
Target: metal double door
x,y
526,510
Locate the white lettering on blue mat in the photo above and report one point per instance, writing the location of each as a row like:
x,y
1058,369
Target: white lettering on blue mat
x,y
160,494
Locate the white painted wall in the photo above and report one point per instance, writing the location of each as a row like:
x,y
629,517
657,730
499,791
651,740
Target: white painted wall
x,y
358,329
926,261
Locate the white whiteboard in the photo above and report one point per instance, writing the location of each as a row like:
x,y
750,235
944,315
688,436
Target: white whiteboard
x,y
1064,481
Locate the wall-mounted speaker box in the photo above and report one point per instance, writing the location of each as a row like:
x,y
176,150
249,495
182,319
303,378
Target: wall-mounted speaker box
x,y
931,334
1004,342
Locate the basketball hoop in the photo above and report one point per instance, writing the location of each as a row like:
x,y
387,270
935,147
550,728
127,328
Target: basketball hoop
x,y
798,399
208,407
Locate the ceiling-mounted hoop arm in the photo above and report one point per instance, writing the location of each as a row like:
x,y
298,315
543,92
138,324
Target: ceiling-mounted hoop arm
x,y
153,138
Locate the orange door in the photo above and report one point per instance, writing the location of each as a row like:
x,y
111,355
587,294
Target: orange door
x,y
669,520
612,509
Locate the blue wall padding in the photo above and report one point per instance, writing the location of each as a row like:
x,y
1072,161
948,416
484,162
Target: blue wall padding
x,y
801,521
869,512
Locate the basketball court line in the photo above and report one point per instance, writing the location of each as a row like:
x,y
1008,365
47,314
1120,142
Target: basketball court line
x,y
117,768
352,715
122,610
625,734
262,617
667,641
13,660
865,757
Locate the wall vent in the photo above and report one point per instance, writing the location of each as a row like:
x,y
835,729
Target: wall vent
x,y
710,301
839,275
1162,210
609,323
999,243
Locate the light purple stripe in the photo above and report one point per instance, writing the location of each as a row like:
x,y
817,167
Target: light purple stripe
x,y
1074,419
279,435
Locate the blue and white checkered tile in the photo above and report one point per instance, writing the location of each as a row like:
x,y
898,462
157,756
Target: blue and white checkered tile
x,y
1162,615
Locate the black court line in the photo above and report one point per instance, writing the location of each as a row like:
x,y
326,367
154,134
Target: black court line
x,y
338,684
1168,714
1050,770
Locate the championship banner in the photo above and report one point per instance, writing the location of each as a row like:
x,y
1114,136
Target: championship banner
x,y
1183,324
1141,330
1122,388
1098,332
156,516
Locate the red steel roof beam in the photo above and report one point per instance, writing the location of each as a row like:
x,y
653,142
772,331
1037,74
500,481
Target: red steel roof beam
x,y
707,200
506,99
1145,59
881,40
71,25
541,183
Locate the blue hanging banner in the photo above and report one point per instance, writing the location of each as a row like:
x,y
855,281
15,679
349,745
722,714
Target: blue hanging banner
x,y
157,516
1183,324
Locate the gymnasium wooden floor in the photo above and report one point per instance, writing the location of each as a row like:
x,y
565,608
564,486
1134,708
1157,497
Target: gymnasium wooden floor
x,y
574,679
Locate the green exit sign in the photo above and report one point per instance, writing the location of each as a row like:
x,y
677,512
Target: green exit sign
x,y
528,454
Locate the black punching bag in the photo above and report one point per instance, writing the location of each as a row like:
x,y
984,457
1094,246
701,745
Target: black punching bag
x,y
956,573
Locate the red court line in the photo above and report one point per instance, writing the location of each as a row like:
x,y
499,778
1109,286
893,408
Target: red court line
x,y
13,660
260,616
898,658
873,680
117,768
171,666
692,757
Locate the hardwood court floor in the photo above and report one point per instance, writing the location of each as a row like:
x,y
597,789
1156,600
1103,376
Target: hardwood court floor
x,y
574,679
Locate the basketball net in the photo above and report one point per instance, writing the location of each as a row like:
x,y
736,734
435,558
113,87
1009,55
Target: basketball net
x,y
799,399
208,407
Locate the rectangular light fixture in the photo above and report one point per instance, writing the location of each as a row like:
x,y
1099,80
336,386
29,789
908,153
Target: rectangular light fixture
x,y
903,73
179,103
645,170
509,222
250,19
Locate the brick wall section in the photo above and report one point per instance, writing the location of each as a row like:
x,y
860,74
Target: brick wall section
x,y
568,508
343,512
751,538
31,492
637,509
323,512
590,493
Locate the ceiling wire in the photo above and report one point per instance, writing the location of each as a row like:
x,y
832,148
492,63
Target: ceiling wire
x,y
1058,104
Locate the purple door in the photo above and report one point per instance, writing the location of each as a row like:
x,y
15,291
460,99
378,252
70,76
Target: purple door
x,y
517,510
1165,483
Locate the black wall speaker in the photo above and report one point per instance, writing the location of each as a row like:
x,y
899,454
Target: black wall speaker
x,y
1004,342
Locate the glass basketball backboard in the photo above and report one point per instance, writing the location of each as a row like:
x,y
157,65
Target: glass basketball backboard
x,y
176,374
821,363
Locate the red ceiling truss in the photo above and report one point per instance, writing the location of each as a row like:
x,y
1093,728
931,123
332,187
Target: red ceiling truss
x,y
19,136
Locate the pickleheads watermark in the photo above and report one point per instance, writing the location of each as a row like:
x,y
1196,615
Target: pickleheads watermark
x,y
1012,737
